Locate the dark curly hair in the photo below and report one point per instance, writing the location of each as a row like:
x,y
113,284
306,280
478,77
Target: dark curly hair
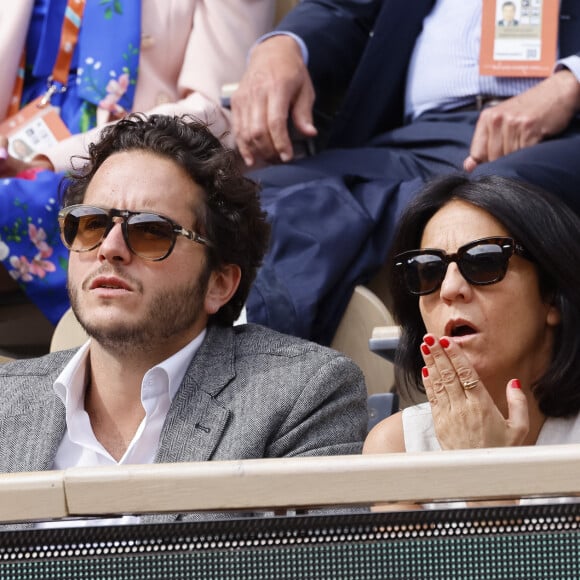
x,y
231,217
548,230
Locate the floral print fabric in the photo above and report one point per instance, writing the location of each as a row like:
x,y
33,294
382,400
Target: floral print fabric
x,y
104,74
108,61
30,246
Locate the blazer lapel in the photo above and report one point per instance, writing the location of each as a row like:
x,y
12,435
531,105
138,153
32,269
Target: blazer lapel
x,y
195,422
191,433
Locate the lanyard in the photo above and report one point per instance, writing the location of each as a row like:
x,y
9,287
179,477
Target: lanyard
x,y
57,81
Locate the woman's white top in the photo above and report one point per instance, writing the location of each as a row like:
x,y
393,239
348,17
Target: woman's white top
x,y
419,434
419,430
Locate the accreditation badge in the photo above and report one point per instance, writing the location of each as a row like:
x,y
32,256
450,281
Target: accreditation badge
x,y
519,38
33,129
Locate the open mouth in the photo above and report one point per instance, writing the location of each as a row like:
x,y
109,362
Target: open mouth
x,y
462,330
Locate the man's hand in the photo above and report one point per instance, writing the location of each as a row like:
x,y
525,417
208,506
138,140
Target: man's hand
x,y
275,86
525,119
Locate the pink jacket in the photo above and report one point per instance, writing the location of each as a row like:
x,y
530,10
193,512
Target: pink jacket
x,y
189,50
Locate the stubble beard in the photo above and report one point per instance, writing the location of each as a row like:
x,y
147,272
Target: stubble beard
x,y
170,313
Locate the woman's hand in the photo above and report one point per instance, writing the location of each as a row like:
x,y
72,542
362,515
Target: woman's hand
x,y
464,414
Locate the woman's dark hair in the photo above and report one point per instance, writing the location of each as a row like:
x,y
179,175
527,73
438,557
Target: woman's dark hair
x,y
549,231
231,217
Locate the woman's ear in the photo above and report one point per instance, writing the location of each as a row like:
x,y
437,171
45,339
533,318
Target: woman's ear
x,y
554,314
222,285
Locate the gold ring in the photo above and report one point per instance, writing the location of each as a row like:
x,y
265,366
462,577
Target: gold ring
x,y
468,385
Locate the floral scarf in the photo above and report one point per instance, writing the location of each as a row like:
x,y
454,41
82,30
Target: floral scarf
x,y
104,66
103,74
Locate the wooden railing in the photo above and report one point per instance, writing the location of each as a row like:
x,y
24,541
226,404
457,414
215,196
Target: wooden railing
x,y
507,542
292,483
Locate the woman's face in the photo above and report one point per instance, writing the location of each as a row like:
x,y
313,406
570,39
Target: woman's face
x,y
506,329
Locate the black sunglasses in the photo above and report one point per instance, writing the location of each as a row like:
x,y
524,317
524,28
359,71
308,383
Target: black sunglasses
x,y
481,262
148,235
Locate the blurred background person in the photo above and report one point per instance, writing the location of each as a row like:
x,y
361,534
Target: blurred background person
x,y
152,56
382,97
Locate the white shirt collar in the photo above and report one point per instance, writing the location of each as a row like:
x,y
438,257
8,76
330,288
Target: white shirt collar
x,y
71,381
79,447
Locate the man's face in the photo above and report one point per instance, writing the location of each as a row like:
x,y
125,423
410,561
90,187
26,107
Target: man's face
x,y
509,13
123,301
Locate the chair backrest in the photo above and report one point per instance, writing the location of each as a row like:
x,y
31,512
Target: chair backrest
x,y
68,333
364,312
380,406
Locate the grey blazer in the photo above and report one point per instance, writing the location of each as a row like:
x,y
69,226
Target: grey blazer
x,y
249,392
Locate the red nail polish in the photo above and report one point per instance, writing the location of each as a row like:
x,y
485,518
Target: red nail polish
x,y
425,349
515,384
429,340
444,342
425,372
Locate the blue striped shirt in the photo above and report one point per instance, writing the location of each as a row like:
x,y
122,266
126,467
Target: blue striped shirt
x,y
444,68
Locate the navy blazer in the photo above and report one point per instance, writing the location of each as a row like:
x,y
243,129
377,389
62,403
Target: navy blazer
x,y
361,49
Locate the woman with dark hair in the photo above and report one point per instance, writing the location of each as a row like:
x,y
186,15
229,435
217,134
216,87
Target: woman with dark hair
x,y
485,287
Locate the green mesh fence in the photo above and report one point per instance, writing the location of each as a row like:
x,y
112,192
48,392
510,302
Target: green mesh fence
x,y
516,542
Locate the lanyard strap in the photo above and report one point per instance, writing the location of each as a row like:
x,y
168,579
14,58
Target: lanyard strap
x,y
68,39
57,81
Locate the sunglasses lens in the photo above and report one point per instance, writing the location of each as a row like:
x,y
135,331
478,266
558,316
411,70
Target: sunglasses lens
x,y
150,236
484,264
481,262
83,228
424,273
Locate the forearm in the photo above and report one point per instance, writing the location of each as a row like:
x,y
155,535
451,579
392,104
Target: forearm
x,y
62,155
572,64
